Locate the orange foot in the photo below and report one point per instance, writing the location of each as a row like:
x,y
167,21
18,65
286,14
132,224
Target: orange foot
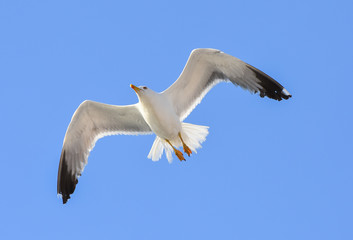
x,y
187,150
179,155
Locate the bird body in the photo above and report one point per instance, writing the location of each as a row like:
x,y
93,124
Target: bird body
x,y
160,113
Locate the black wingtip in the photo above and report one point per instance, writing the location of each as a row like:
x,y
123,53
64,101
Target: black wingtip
x,y
270,87
66,180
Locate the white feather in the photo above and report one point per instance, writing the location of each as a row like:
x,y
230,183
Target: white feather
x,y
92,121
193,135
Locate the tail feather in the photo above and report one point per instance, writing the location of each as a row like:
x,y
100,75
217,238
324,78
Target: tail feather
x,y
156,149
193,135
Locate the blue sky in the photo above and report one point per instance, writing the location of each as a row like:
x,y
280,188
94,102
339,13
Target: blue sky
x,y
268,170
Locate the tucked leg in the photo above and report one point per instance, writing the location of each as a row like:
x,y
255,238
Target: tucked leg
x,y
186,149
177,152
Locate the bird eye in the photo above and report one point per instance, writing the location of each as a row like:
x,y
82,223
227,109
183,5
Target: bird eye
x,y
144,87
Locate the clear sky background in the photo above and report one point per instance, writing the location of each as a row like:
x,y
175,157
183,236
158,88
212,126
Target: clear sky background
x,y
268,169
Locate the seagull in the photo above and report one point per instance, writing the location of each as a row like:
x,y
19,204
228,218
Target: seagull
x,y
159,113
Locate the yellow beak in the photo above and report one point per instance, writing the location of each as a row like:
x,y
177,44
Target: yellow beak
x,y
135,88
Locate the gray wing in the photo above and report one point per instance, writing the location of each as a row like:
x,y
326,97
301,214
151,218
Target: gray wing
x,y
207,67
91,121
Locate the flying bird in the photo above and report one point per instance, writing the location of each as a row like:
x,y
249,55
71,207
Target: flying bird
x,y
159,113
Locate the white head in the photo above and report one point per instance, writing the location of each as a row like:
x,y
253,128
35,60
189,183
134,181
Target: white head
x,y
143,92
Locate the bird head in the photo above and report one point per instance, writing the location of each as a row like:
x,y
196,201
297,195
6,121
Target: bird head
x,y
143,92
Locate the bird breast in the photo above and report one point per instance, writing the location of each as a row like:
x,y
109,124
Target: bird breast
x,y
159,114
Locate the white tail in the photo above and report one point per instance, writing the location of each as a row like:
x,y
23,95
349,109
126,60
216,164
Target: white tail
x,y
193,135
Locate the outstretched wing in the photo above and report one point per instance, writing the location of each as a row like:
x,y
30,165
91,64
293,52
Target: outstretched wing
x,y
207,67
91,121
